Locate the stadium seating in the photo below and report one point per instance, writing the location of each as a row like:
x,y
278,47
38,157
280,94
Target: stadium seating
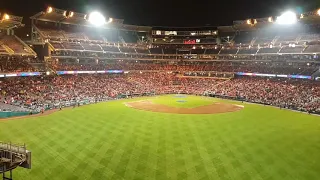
x,y
229,51
156,50
247,51
312,49
287,49
169,50
212,51
142,51
268,50
14,44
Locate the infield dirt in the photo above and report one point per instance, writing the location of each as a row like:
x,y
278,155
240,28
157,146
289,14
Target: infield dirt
x,y
206,109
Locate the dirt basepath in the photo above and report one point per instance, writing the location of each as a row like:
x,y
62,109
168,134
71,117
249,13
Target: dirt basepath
x,y
208,109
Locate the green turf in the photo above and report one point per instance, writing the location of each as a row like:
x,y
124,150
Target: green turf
x,y
112,141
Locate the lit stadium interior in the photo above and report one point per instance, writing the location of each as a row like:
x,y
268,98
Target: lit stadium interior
x,y
71,59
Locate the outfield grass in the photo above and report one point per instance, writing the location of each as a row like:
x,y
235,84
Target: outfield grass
x,y
112,141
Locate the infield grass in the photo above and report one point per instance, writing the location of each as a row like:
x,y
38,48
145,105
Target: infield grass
x,y
112,141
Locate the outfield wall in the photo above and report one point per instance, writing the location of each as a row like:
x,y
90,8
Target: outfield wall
x,y
7,114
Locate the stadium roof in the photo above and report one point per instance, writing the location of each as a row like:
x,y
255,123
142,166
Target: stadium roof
x,y
8,21
75,18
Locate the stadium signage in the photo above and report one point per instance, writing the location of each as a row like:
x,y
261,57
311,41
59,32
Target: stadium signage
x,y
90,72
22,74
273,75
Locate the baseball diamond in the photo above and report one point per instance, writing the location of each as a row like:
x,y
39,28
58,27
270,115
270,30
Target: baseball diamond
x,y
88,96
112,140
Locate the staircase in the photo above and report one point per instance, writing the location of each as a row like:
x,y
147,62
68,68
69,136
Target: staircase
x,y
253,41
275,39
122,40
9,50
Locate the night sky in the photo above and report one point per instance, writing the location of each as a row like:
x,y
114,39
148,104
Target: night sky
x,y
174,13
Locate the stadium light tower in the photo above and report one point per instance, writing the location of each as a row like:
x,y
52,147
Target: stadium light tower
x,y
287,18
97,19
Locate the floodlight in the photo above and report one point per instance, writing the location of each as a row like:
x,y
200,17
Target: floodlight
x,y
318,12
6,17
71,14
97,19
270,19
301,16
249,21
49,10
110,20
288,17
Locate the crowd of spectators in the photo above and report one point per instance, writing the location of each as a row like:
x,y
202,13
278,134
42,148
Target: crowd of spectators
x,y
249,67
38,92
15,64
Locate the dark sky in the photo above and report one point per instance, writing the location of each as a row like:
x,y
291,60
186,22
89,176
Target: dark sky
x,y
175,13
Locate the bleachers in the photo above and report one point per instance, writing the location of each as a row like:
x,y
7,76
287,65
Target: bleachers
x,y
77,35
183,51
110,48
229,51
156,51
169,50
197,51
127,50
142,51
264,40
287,38
212,51
312,49
93,47
268,50
248,51
288,49
57,45
74,46
51,33
13,43
309,37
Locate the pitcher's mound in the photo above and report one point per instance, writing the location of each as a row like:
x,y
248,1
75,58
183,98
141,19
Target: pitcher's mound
x,y
207,109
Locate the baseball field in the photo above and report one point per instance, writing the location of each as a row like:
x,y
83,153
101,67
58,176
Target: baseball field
x,y
166,137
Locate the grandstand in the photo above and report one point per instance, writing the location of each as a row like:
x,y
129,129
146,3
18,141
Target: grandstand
x,y
71,62
69,43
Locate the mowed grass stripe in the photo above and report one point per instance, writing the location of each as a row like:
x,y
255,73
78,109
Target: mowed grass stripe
x,y
112,141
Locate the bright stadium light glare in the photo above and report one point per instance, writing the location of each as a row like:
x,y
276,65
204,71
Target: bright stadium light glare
x,y
71,14
6,17
288,17
97,19
49,10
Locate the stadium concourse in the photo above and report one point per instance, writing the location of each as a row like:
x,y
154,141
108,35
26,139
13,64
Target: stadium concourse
x,y
70,62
